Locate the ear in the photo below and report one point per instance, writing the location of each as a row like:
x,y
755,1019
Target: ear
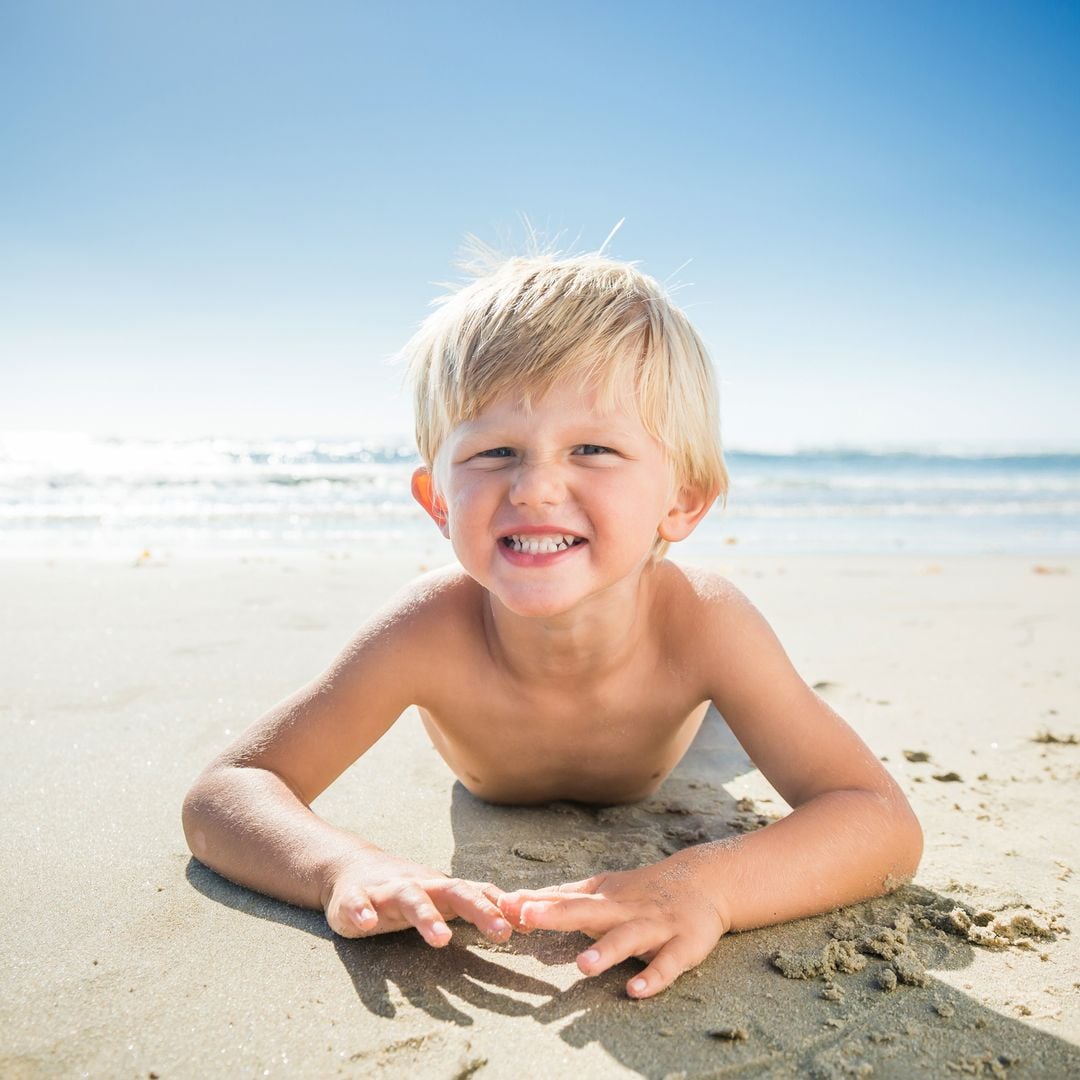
x,y
423,491
687,508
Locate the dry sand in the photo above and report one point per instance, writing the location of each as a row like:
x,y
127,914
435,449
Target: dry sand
x,y
123,957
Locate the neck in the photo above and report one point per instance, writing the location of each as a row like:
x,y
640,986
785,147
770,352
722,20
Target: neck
x,y
585,644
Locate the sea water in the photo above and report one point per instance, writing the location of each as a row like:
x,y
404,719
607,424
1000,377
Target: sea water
x,y
68,494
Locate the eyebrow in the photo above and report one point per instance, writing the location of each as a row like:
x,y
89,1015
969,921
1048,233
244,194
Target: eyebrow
x,y
599,429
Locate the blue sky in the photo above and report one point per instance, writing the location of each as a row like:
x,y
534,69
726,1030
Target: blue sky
x,y
222,218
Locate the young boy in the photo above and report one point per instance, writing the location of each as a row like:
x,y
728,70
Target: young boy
x,y
567,420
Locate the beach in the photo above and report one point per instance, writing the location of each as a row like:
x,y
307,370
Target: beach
x,y
124,957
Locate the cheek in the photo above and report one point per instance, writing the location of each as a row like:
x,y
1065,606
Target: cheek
x,y
625,515
468,500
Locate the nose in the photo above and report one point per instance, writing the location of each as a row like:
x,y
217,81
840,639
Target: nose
x,y
538,483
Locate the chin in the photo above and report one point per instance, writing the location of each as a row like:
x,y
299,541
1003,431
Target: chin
x,y
537,603
536,607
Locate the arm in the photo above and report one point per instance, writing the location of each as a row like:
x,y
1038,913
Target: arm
x,y
248,815
851,833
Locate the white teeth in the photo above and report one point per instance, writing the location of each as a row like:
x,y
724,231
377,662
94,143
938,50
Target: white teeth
x,y
541,545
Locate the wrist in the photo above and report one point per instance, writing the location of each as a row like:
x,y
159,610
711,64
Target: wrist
x,y
333,868
711,867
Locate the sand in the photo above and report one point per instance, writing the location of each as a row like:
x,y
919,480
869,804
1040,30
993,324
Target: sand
x,y
125,957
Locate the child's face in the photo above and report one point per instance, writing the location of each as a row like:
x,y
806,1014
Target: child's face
x,y
550,506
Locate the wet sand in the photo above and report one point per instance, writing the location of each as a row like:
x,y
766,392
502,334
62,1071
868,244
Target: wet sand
x,y
126,957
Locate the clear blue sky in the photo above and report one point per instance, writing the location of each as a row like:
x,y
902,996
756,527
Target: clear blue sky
x,y
220,218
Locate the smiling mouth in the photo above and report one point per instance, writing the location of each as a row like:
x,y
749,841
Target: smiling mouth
x,y
541,545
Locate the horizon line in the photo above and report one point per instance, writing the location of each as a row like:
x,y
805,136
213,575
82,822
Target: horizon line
x,y
928,448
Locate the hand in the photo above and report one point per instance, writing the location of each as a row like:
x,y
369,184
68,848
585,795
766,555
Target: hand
x,y
378,893
663,914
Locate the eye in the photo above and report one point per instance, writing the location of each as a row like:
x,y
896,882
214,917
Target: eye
x,y
496,452
591,449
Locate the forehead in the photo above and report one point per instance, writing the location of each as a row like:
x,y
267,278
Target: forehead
x,y
566,402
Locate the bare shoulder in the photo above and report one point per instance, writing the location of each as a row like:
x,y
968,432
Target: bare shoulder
x,y
430,604
794,737
427,611
703,599
721,634
707,585
314,734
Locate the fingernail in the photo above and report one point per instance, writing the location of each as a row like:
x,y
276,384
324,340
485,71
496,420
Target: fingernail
x,y
591,956
500,926
440,928
366,913
638,985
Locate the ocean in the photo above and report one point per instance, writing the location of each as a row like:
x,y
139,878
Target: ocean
x,y
68,494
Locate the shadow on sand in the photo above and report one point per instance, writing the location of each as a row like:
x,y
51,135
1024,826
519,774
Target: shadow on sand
x,y
735,1015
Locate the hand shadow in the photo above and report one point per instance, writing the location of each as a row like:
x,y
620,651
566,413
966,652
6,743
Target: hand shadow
x,y
402,960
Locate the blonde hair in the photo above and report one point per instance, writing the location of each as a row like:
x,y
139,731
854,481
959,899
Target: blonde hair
x,y
527,322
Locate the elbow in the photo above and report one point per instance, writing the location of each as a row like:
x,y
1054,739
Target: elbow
x,y
907,846
195,814
915,841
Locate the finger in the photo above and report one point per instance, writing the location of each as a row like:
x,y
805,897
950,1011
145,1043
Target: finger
x,y
417,908
511,911
470,903
352,915
492,892
669,963
510,902
592,915
627,939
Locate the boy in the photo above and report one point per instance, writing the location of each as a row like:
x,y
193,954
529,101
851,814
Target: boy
x,y
567,420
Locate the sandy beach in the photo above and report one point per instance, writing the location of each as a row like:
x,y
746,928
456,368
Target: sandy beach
x,y
124,957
